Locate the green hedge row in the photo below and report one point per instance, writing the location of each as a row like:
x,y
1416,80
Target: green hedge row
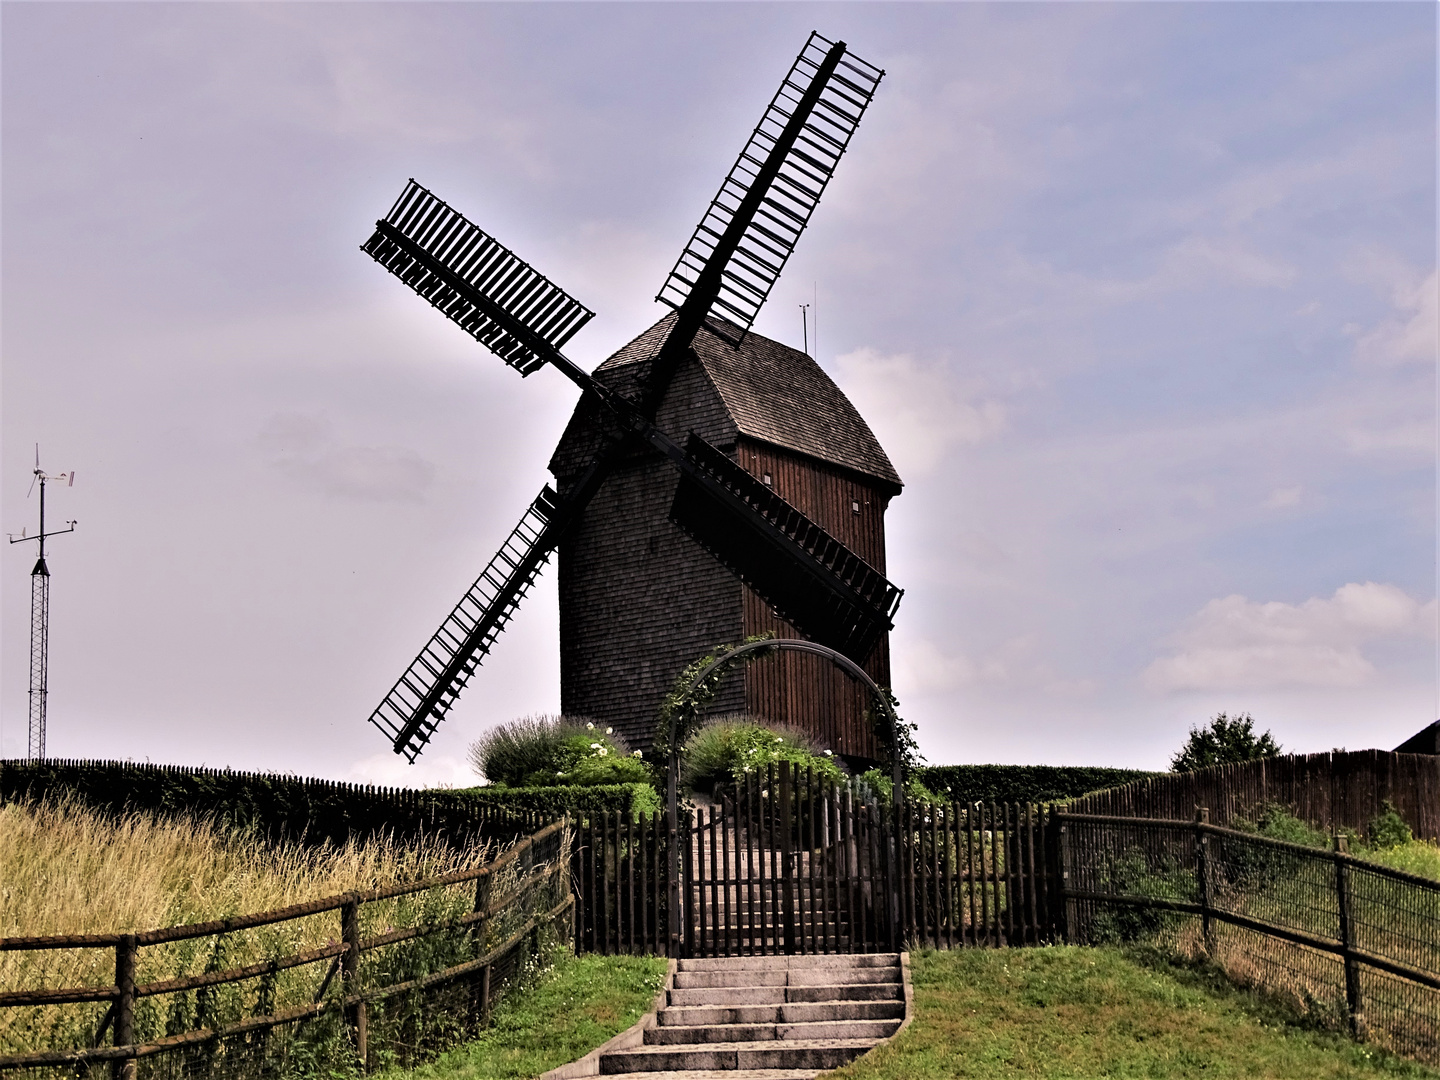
x,y
1022,783
303,808
575,800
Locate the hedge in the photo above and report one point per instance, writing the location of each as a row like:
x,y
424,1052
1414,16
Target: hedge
x,y
1022,783
281,807
316,811
575,800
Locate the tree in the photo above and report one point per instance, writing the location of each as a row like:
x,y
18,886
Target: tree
x,y
1224,740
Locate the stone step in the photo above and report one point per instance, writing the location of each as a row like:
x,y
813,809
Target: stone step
x,y
752,963
725,1074
676,1035
787,1054
816,975
776,995
781,1013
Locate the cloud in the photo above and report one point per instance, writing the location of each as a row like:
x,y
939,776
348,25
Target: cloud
x,y
1409,335
303,449
1233,642
918,410
922,667
1283,497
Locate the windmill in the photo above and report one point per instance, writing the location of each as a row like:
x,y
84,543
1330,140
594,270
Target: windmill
x,y
717,287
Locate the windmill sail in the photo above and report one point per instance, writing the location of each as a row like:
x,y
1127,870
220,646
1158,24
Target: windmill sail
x,y
421,697
752,225
813,581
501,301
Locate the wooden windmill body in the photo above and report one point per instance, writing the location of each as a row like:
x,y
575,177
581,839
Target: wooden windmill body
x,y
640,599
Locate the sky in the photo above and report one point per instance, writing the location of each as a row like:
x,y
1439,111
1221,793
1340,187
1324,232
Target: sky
x,y
1140,299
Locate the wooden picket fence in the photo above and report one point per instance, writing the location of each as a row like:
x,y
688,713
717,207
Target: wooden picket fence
x,y
787,862
1339,790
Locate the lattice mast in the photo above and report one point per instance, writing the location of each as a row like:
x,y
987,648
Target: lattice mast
x,y
40,616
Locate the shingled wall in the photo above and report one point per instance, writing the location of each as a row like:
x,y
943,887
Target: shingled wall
x,y
639,600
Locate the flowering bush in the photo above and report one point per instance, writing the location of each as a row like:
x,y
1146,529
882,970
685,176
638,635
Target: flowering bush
x,y
550,751
727,749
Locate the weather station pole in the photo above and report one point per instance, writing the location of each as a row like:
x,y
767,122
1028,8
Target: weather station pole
x,y
40,614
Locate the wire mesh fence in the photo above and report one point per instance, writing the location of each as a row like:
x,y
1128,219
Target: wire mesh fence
x,y
1347,942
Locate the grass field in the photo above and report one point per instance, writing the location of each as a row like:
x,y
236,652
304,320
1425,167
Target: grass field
x,y
1063,1012
572,1008
65,869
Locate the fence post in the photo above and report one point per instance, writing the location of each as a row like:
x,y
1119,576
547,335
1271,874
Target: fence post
x,y
1071,914
1353,1004
124,1068
1202,876
355,1016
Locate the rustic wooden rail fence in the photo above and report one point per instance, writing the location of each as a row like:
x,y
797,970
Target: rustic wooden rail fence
x,y
1333,791
532,879
1320,926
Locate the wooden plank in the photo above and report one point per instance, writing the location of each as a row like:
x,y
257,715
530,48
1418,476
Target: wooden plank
x,y
785,817
630,882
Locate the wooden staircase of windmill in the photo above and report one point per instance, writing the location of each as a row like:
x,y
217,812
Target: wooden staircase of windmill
x,y
767,1018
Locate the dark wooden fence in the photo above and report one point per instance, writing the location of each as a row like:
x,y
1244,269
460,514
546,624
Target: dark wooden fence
x,y
788,862
447,971
1332,791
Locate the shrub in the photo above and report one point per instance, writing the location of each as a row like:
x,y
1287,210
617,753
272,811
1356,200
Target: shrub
x,y
1277,823
1389,830
726,749
879,782
551,751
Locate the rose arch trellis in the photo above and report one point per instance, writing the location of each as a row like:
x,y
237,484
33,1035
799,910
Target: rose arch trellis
x,y
672,783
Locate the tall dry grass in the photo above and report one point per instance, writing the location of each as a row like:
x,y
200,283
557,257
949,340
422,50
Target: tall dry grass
x,y
67,869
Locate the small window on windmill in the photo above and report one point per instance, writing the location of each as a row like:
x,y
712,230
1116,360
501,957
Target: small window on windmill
x,y
767,481
855,506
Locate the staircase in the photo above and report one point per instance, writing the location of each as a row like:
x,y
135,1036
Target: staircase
x,y
774,1017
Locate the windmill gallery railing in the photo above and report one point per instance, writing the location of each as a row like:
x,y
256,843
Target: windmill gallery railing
x,y
405,968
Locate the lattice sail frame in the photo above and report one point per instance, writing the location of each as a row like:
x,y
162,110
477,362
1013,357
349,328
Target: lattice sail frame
x,y
485,288
772,234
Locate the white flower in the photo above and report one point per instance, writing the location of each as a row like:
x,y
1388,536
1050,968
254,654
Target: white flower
x,y
589,727
829,753
594,746
779,739
637,754
609,731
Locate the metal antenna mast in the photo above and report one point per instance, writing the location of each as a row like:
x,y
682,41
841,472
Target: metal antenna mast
x,y
40,614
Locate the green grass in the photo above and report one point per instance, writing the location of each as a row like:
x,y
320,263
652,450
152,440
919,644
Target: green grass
x,y
572,1008
1068,1012
1416,857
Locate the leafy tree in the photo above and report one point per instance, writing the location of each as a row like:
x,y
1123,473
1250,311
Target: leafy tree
x,y
1222,741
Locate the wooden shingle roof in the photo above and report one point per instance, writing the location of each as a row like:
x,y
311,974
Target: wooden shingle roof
x,y
772,393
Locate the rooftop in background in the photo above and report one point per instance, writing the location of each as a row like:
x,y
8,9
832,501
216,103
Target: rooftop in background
x,y
1424,741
